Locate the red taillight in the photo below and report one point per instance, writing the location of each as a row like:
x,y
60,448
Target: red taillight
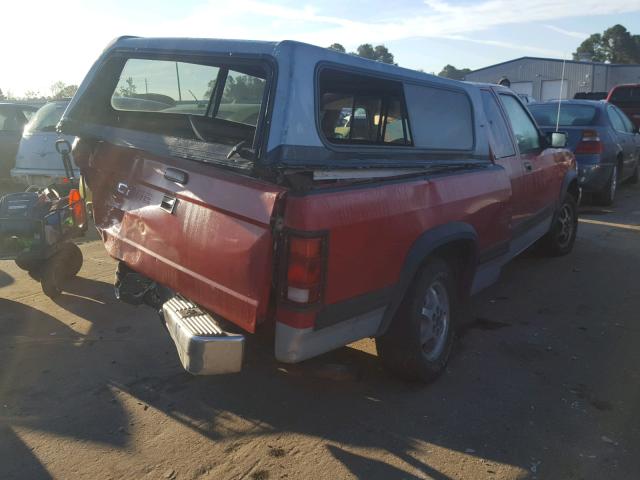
x,y
77,207
590,143
304,269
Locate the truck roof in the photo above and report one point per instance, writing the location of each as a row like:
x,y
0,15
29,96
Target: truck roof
x,y
284,48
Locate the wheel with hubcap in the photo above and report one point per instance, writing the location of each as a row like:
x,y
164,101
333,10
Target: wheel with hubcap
x,y
562,234
419,340
608,193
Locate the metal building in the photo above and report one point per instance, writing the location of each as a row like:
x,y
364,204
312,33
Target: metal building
x,y
541,78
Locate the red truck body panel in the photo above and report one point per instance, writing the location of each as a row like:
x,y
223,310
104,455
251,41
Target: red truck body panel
x,y
371,229
217,246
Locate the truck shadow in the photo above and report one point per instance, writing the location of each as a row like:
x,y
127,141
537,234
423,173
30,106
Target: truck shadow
x,y
5,279
38,358
497,401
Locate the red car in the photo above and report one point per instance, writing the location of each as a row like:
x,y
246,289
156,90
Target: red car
x,y
254,185
627,98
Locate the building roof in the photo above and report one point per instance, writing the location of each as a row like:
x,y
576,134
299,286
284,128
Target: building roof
x,y
556,60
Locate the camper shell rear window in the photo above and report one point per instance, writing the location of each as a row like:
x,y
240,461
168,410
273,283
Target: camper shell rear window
x,y
178,87
209,104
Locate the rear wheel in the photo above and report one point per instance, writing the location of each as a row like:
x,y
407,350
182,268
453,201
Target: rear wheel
x,y
419,340
608,194
562,235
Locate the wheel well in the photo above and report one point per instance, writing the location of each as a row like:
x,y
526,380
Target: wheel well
x,y
461,256
573,190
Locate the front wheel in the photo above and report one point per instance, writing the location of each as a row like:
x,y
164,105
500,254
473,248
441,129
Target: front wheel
x,y
562,234
419,340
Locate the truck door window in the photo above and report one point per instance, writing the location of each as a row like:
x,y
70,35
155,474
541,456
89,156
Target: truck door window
x,y
524,129
502,146
356,109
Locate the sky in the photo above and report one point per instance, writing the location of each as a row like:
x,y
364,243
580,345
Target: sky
x,y
42,41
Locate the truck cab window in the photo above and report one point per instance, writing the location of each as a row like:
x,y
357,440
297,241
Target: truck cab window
x,y
524,129
355,109
501,144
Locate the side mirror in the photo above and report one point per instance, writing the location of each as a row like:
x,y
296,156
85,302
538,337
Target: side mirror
x,y
558,140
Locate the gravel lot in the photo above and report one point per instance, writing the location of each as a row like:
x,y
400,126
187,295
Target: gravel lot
x,y
544,383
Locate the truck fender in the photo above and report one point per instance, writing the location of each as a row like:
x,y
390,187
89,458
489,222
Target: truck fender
x,y
425,245
570,181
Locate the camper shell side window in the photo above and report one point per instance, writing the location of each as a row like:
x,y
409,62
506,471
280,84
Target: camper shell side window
x,y
359,109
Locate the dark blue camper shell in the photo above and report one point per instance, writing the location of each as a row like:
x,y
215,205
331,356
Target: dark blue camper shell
x,y
292,106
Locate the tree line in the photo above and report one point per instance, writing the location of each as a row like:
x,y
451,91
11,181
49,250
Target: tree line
x,y
59,90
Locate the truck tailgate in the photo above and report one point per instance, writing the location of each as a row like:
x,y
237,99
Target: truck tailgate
x,y
208,237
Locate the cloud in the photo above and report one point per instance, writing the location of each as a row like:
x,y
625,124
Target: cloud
x,y
568,33
46,52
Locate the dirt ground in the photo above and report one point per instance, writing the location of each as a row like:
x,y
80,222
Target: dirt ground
x,y
544,383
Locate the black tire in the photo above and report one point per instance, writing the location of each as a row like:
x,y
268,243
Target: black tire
x,y
52,277
73,259
35,274
28,264
562,235
62,266
607,195
405,349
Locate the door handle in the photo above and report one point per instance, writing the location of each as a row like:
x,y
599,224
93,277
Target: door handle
x,y
168,203
175,175
528,166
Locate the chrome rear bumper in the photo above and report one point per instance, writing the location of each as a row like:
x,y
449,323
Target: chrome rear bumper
x,y
203,347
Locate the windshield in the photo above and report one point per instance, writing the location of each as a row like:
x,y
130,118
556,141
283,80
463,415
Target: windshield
x,y
626,95
570,115
46,119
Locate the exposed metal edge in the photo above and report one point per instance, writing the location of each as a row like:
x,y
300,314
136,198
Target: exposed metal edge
x,y
293,345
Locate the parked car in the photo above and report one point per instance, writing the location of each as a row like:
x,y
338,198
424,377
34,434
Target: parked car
x,y
13,117
37,161
290,204
605,142
627,98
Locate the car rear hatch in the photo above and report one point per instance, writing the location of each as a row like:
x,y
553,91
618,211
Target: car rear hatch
x,y
167,200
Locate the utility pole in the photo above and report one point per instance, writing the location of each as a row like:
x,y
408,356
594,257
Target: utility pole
x,y
178,77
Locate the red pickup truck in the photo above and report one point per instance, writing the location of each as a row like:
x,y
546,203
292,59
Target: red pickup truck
x,y
627,98
256,185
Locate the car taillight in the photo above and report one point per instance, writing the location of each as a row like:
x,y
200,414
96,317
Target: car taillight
x,y
77,207
304,269
590,143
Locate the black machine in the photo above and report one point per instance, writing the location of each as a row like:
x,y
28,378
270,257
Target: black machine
x,y
37,228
